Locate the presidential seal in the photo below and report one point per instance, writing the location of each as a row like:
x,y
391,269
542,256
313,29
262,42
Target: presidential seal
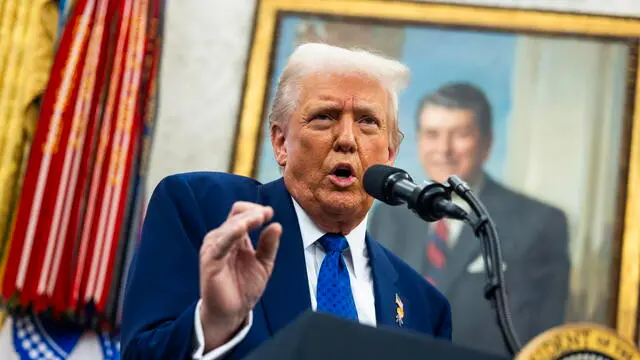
x,y
581,341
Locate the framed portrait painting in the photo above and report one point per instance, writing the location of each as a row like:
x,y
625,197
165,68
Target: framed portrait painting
x,y
555,102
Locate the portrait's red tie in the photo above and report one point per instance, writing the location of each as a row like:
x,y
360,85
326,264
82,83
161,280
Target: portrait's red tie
x,y
436,250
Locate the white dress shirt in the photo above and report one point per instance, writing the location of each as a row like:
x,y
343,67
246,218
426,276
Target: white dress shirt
x,y
356,259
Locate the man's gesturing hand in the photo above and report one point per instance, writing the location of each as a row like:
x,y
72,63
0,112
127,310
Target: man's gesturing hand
x,y
233,274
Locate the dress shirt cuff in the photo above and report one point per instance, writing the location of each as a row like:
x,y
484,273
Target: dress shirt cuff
x,y
222,350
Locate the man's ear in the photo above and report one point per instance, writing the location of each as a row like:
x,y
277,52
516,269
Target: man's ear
x,y
278,142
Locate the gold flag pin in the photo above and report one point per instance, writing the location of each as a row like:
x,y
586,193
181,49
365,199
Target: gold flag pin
x,y
399,311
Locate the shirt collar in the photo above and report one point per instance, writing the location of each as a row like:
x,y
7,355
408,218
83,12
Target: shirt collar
x,y
478,185
311,233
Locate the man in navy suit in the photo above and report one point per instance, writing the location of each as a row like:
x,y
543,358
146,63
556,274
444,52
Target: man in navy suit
x,y
226,262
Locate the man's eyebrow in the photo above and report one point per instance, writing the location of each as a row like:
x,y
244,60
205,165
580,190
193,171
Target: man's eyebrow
x,y
328,102
369,108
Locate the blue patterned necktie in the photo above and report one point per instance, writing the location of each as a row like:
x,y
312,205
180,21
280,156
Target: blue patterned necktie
x,y
333,293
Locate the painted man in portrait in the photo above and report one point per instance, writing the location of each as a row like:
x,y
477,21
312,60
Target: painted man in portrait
x,y
454,137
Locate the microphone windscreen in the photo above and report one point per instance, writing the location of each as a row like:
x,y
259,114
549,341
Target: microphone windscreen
x,y
375,180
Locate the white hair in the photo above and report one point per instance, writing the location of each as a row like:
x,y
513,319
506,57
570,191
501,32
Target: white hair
x,y
313,57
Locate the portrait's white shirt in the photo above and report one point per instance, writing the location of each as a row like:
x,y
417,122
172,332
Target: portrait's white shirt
x,y
455,226
356,259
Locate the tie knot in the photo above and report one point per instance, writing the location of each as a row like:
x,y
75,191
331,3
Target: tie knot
x,y
333,242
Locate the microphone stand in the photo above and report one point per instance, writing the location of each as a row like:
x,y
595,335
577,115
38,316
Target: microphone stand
x,y
494,291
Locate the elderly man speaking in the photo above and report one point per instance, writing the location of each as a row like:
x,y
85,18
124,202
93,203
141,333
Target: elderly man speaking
x,y
226,262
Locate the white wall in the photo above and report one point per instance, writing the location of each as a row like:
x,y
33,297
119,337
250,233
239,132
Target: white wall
x,y
205,50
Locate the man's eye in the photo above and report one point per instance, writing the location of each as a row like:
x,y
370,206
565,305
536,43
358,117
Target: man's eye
x,y
430,134
321,116
462,133
369,120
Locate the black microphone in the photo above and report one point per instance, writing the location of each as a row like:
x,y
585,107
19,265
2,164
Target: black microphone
x,y
394,186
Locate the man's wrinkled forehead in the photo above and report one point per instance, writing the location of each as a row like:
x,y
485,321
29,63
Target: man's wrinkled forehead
x,y
345,103
343,91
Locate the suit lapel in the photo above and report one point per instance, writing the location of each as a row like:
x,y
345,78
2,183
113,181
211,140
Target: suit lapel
x,y
384,283
287,292
465,250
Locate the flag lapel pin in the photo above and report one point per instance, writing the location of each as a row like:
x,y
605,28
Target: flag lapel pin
x,y
399,311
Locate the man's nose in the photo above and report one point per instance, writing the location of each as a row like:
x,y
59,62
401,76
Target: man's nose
x,y
345,137
443,143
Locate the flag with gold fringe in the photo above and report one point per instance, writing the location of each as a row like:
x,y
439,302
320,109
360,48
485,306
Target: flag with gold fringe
x,y
77,219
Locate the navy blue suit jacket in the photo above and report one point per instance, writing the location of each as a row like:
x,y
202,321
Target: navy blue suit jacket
x,y
163,288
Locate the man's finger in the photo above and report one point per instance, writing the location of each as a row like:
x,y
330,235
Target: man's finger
x,y
242,206
248,220
246,244
268,245
236,228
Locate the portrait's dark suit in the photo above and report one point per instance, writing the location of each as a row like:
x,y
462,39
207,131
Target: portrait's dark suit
x,y
536,262
163,286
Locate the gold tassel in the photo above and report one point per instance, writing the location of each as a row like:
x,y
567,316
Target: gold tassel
x,y
27,39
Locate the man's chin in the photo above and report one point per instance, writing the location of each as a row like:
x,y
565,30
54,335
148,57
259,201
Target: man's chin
x,y
341,201
441,177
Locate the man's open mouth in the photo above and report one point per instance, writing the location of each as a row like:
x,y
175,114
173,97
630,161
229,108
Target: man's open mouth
x,y
343,176
343,171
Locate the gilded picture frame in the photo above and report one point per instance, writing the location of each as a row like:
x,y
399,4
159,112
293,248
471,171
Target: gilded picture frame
x,y
625,253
